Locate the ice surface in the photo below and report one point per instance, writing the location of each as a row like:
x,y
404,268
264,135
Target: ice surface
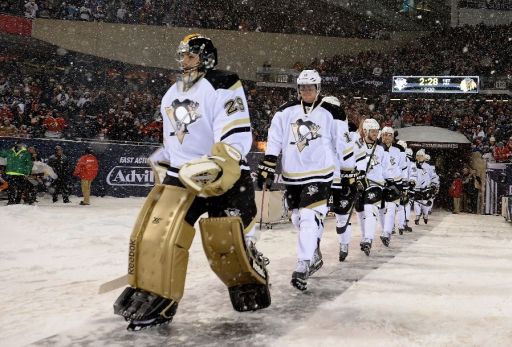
x,y
446,284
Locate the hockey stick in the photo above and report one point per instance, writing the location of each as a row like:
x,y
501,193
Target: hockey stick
x,y
113,285
263,189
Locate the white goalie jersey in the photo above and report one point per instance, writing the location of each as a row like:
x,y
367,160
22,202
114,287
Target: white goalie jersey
x,y
213,110
309,138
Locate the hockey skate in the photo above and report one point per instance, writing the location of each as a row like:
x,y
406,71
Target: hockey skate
x,y
407,228
317,262
143,309
300,275
252,296
343,251
401,231
417,221
425,220
366,246
385,238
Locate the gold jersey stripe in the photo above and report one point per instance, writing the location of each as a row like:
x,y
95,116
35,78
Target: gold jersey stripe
x,y
235,123
316,204
249,227
237,85
310,173
348,150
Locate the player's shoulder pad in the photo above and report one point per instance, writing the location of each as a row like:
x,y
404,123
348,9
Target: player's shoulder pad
x,y
399,147
381,144
332,104
288,104
220,79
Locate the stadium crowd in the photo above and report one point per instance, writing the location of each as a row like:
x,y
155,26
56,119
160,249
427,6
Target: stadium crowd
x,y
60,94
296,17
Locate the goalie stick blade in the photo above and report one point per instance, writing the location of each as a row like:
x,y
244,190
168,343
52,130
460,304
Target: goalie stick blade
x,y
113,285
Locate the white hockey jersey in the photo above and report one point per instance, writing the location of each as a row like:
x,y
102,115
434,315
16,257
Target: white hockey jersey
x,y
350,162
434,178
395,162
377,167
308,137
423,179
213,110
412,171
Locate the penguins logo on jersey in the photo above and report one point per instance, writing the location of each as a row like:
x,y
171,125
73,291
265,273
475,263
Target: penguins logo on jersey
x,y
304,132
182,114
312,190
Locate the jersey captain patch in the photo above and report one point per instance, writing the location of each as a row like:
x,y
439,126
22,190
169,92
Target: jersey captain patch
x,y
182,114
304,132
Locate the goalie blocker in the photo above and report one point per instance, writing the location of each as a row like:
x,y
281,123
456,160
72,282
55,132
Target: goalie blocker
x,y
163,234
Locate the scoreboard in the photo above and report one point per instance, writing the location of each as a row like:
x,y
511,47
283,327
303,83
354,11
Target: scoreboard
x,y
436,84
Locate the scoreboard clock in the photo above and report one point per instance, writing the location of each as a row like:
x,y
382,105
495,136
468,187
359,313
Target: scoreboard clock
x,y
436,84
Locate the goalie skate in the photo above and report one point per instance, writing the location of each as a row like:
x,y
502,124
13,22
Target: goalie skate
x,y
144,309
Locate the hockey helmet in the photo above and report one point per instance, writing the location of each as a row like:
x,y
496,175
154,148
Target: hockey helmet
x,y
427,157
388,130
309,77
370,124
200,45
403,144
408,152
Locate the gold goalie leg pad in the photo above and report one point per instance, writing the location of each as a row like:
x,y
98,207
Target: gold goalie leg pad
x,y
159,243
241,269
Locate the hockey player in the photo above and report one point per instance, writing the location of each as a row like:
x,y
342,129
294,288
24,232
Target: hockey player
x,y
373,171
434,187
307,131
393,186
343,192
207,134
408,183
422,188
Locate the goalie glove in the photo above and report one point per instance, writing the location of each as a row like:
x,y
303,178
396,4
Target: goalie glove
x,y
214,175
267,171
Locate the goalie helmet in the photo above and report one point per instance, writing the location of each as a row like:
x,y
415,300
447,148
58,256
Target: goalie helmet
x,y
309,77
202,47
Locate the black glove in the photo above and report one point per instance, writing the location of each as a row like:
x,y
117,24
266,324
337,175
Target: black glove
x,y
267,171
390,182
348,178
412,184
361,181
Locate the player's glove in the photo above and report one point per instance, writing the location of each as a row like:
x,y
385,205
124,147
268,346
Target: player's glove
x,y
361,181
412,184
348,178
267,171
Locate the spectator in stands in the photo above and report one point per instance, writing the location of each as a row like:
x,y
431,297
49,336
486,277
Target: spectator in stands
x,y
61,165
502,153
7,129
31,9
86,169
455,192
19,166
